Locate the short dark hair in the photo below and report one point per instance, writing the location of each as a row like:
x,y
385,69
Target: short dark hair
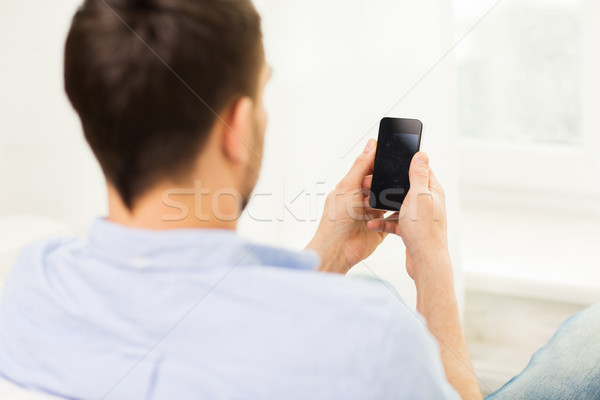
x,y
147,77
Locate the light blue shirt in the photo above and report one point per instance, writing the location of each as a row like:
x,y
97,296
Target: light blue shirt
x,y
205,314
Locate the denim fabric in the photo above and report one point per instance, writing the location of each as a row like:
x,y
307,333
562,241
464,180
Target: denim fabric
x,y
568,367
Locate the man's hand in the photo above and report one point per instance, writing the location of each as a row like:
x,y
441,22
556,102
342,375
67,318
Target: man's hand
x,y
422,220
343,239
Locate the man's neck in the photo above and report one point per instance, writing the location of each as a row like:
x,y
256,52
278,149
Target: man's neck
x,y
170,207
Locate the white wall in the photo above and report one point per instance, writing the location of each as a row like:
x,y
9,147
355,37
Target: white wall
x,y
45,166
339,66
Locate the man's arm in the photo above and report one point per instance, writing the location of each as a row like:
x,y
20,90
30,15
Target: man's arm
x,y
422,225
436,301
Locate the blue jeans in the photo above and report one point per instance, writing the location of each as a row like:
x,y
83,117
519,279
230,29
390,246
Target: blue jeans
x,y
567,367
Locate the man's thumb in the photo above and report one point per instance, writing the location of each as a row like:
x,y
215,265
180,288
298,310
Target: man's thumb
x,y
419,172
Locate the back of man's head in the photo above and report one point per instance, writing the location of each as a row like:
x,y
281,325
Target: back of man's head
x,y
148,78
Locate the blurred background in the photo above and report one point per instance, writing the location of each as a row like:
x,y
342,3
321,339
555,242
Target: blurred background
x,y
509,94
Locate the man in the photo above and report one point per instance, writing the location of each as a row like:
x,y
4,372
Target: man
x,y
164,302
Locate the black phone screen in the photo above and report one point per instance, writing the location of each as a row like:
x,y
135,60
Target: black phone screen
x,y
399,139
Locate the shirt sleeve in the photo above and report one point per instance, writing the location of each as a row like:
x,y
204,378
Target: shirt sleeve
x,y
411,365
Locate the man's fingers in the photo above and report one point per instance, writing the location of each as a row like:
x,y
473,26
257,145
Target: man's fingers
x,y
419,173
363,165
387,225
366,183
366,203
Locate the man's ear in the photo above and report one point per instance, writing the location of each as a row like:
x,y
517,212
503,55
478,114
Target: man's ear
x,y
237,136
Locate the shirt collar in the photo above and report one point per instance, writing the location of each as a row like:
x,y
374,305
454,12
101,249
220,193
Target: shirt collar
x,y
188,247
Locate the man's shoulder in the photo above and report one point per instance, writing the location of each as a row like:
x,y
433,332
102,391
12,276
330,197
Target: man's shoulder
x,y
390,335
41,251
36,256
362,324
377,299
370,302
44,247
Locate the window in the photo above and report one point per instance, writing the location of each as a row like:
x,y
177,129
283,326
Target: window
x,y
528,95
519,74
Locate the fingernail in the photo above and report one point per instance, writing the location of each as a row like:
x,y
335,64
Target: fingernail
x,y
421,158
369,146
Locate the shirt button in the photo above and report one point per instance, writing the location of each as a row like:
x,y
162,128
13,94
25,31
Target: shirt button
x,y
140,262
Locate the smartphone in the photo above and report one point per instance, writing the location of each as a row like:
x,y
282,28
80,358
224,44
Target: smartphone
x,y
398,141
